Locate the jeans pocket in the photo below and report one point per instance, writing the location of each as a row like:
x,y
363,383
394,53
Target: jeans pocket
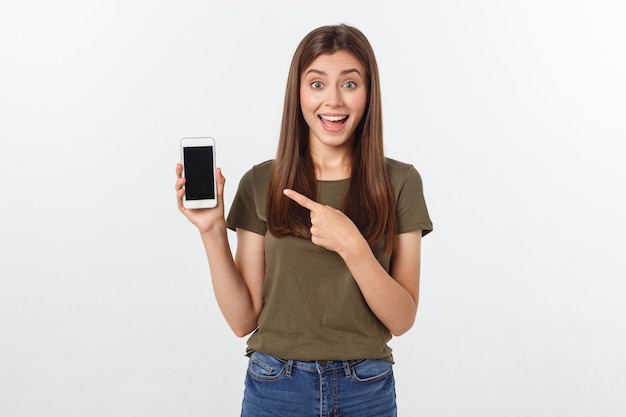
x,y
371,370
264,367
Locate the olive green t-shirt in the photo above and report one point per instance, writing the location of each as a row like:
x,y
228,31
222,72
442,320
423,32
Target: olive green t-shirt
x,y
312,306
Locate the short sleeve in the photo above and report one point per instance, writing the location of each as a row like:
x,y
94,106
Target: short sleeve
x,y
247,210
411,209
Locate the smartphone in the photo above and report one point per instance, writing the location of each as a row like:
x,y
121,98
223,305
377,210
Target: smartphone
x,y
198,159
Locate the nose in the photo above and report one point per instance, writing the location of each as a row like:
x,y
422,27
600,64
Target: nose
x,y
333,97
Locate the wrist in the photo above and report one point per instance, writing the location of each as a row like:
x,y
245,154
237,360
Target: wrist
x,y
355,249
214,229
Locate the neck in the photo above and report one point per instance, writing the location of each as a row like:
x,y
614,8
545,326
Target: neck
x,y
331,162
329,168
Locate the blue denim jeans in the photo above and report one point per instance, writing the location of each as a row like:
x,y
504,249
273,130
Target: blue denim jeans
x,y
282,388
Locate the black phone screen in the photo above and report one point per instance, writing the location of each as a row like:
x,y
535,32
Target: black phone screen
x,y
199,172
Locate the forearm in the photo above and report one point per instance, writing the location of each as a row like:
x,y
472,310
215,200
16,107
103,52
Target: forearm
x,y
231,291
393,304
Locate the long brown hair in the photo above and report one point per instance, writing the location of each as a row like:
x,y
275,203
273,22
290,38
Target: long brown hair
x,y
370,202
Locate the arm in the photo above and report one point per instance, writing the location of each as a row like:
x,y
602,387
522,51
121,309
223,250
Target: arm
x,y
237,283
393,297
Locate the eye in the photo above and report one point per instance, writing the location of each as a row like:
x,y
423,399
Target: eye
x,y
317,84
349,84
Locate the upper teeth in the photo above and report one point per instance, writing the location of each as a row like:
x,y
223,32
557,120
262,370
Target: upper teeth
x,y
333,118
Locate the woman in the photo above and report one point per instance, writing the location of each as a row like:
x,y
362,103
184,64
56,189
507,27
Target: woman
x,y
328,243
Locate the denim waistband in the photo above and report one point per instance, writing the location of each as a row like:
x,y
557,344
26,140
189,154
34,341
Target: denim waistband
x,y
317,366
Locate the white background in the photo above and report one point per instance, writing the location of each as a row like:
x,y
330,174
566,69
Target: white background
x,y
513,112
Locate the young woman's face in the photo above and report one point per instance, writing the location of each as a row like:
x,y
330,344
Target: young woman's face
x,y
333,97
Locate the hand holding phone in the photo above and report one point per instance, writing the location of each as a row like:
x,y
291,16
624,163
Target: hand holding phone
x,y
198,159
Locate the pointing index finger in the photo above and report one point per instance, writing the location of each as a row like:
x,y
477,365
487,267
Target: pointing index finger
x,y
303,200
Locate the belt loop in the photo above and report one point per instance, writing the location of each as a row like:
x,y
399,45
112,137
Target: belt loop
x,y
289,368
346,368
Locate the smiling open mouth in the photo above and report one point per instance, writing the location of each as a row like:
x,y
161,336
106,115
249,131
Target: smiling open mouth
x,y
333,122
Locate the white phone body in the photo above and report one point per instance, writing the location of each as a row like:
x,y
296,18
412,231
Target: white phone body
x,y
198,158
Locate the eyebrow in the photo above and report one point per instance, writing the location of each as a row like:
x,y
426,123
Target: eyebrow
x,y
344,72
